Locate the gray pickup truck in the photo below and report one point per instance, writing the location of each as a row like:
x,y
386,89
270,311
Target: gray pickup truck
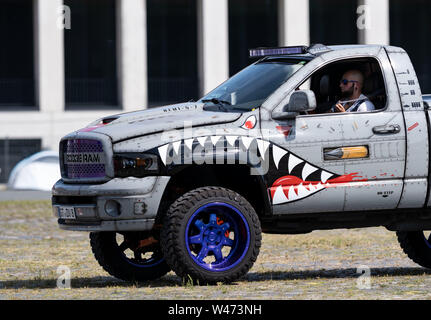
x,y
191,187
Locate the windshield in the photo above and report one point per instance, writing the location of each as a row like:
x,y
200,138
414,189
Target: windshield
x,y
249,88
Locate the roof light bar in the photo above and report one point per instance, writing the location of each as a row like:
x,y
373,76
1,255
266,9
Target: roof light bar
x,y
276,51
261,52
318,48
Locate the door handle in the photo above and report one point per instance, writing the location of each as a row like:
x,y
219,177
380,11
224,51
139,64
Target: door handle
x,y
387,129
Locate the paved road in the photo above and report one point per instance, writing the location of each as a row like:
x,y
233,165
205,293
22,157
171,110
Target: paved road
x,y
13,195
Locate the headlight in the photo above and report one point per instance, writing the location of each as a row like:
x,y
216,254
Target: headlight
x,y
135,164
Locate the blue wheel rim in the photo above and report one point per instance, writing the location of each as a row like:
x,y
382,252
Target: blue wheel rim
x,y
210,229
148,263
154,260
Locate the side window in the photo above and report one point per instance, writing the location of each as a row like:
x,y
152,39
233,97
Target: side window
x,y
354,85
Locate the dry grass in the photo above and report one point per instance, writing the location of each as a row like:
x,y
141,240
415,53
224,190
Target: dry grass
x,y
319,265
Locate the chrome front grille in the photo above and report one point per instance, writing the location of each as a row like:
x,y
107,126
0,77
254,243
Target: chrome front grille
x,y
83,159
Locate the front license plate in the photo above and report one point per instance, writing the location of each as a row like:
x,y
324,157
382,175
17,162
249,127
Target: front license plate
x,y
66,213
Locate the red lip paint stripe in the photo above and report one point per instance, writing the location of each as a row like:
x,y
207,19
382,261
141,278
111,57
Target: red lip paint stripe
x,y
413,126
288,181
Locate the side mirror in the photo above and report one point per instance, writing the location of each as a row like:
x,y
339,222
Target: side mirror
x,y
301,101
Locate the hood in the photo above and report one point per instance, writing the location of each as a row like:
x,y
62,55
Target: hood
x,y
139,123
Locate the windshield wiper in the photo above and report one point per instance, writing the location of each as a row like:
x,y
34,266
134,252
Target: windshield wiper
x,y
218,102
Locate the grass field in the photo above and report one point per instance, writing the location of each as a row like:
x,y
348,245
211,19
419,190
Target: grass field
x,y
318,265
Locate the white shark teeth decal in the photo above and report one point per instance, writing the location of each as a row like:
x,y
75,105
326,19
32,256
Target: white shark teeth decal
x,y
319,186
302,191
189,143
231,139
291,196
295,192
277,154
215,139
176,146
262,145
163,151
202,141
307,170
293,162
324,176
247,141
279,196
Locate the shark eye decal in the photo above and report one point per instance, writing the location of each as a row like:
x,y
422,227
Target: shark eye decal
x,y
250,123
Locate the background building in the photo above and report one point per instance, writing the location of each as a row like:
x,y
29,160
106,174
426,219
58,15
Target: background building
x,y
65,63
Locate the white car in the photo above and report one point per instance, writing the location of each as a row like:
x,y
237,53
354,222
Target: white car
x,y
37,172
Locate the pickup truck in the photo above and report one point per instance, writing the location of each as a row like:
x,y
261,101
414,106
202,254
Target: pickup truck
x,y
191,187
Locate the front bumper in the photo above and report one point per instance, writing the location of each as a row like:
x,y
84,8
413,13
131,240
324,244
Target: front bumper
x,y
121,204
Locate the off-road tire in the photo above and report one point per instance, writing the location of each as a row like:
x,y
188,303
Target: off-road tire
x,y
173,235
416,246
109,256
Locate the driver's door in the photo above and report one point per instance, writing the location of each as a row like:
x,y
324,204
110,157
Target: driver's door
x,y
313,171
336,161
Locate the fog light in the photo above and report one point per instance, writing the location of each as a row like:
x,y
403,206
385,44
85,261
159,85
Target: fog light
x,y
140,207
112,208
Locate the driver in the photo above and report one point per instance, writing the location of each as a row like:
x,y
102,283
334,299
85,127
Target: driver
x,y
351,94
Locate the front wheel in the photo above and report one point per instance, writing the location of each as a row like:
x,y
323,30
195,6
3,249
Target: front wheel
x,y
417,246
130,256
210,235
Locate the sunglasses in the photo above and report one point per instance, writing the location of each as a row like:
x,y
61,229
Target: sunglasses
x,y
345,81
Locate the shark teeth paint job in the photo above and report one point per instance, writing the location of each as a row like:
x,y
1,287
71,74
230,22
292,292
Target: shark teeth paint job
x,y
231,139
245,140
188,143
263,146
202,140
287,188
176,146
324,176
307,170
277,154
293,162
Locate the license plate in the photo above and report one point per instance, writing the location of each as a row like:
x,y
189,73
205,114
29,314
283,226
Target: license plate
x,y
66,213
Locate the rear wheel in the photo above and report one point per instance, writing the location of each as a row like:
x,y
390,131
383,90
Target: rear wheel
x,y
417,246
130,256
211,235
